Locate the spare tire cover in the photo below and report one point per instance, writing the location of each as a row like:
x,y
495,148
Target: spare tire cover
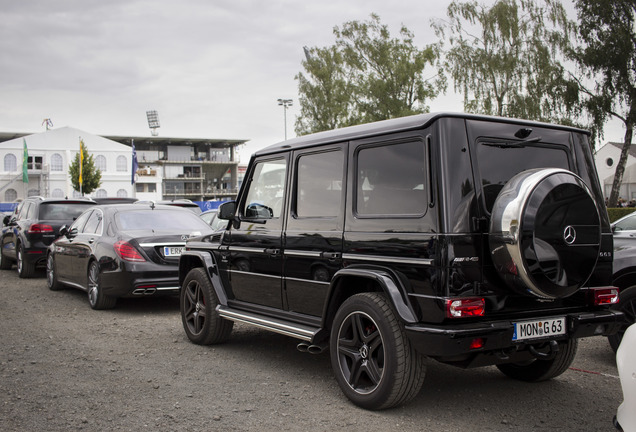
x,y
545,233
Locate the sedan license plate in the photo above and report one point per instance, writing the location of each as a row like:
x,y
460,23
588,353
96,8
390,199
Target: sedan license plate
x,y
172,251
539,328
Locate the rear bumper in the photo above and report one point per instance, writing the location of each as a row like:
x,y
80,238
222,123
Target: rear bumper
x,y
134,280
454,341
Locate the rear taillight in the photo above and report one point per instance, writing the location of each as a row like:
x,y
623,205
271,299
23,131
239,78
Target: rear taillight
x,y
465,307
127,252
603,296
40,228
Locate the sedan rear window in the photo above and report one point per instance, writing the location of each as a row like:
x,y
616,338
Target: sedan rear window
x,y
62,211
160,220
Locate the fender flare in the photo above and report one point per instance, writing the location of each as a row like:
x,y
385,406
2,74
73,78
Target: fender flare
x,y
395,290
208,262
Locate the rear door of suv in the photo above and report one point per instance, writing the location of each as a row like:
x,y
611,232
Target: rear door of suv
x,y
314,230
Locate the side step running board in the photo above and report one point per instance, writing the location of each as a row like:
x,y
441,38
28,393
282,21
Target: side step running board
x,y
298,331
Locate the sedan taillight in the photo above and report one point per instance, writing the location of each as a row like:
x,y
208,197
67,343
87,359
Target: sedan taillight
x,y
127,252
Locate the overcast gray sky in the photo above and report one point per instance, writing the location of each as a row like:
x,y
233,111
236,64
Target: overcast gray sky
x,y
211,69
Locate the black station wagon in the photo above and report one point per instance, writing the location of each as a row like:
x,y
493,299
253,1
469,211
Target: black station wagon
x,y
466,239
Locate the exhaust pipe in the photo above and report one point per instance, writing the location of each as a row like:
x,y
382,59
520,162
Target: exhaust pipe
x,y
316,349
310,348
303,347
144,291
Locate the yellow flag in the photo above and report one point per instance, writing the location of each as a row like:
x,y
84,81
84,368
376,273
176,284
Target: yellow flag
x,y
81,160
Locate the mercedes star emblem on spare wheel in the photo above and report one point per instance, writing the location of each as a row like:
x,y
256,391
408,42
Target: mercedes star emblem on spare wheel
x,y
569,234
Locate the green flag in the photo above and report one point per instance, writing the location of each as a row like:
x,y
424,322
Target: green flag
x,y
25,164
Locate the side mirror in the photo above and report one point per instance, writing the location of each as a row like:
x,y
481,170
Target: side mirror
x,y
6,219
63,230
227,210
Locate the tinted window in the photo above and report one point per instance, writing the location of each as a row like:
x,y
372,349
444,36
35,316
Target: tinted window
x,y
391,180
62,211
94,224
498,164
80,222
160,220
31,211
319,187
265,197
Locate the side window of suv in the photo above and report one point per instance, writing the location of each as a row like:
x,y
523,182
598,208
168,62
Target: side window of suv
x,y
31,211
266,191
319,184
391,180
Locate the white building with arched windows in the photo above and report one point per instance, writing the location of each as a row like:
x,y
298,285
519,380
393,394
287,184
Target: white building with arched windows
x,y
50,155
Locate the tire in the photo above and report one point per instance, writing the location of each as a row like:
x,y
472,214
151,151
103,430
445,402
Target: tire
x,y
543,370
51,274
545,233
372,359
25,269
627,305
96,297
5,263
198,301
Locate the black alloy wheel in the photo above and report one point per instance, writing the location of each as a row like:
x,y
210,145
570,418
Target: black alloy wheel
x,y
25,269
51,274
96,297
374,362
198,302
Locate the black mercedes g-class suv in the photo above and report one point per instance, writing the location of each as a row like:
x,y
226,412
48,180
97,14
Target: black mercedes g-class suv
x,y
467,239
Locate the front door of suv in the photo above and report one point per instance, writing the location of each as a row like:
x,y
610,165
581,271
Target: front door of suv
x,y
255,244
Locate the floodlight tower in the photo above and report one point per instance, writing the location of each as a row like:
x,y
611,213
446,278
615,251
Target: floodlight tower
x,y
286,103
153,122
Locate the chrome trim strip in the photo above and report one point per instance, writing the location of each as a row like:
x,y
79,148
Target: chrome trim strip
x,y
307,281
182,244
397,260
168,288
246,249
300,253
254,274
300,332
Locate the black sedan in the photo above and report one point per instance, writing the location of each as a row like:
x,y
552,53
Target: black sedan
x,y
114,251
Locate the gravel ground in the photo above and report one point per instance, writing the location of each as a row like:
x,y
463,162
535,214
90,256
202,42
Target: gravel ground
x,y
65,367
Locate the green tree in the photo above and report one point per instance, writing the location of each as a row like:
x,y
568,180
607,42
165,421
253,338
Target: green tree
x,y
504,58
325,93
91,176
607,56
366,76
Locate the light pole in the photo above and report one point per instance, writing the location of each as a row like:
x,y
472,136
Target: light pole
x,y
286,103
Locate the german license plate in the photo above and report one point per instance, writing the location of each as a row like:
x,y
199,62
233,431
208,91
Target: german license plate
x,y
539,328
171,251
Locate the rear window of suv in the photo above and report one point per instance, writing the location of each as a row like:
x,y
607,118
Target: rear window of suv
x,y
499,161
62,211
391,180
